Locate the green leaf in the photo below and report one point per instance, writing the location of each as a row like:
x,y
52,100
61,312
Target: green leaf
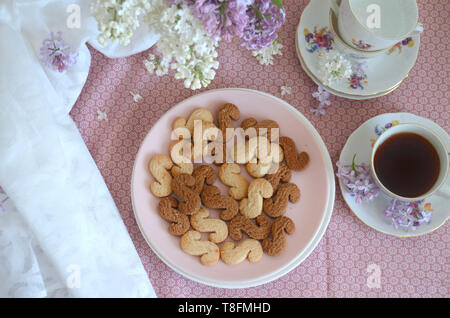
x,y
278,3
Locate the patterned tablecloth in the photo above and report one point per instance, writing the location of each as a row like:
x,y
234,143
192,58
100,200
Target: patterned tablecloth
x,y
341,264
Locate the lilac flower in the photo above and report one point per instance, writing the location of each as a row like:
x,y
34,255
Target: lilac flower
x,y
56,55
358,181
319,111
223,18
322,97
408,215
265,19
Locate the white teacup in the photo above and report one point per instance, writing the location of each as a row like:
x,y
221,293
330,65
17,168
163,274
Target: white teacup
x,y
435,141
373,25
345,48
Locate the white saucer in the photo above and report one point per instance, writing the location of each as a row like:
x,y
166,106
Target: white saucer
x,y
372,213
336,93
383,73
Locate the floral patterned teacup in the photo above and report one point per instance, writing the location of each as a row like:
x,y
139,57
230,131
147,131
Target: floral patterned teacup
x,y
432,138
373,25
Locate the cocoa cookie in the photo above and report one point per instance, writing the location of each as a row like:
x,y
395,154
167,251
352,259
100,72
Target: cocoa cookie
x,y
182,186
282,174
167,210
295,161
212,199
277,244
275,207
225,115
203,174
192,244
241,224
263,128
248,248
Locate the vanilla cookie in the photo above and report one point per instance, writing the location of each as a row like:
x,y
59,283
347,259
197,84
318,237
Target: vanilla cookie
x,y
295,161
205,138
249,248
262,156
258,190
182,186
202,114
277,244
241,224
181,154
202,223
212,199
230,175
275,207
191,243
167,210
158,167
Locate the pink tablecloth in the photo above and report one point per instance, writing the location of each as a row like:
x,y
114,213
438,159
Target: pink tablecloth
x,y
410,267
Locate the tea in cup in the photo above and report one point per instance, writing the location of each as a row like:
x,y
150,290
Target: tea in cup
x,y
409,162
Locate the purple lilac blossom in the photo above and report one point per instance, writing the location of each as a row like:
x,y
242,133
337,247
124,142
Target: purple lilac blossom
x,y
265,19
55,54
406,215
358,181
223,18
322,97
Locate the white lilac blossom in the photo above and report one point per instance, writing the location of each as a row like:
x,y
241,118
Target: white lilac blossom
x,y
286,90
408,215
156,64
136,97
101,115
322,97
184,45
118,19
265,55
56,54
333,67
358,181
190,31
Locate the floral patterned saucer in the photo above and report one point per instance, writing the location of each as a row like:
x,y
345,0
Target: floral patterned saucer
x,y
372,78
372,213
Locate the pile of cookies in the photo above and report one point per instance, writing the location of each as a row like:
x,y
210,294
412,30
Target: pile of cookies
x,y
241,210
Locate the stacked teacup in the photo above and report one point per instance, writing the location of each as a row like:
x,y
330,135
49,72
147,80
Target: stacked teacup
x,y
364,29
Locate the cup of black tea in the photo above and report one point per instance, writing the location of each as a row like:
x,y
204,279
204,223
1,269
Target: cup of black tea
x,y
409,162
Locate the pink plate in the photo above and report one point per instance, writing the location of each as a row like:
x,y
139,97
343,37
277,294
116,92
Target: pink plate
x,y
310,215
